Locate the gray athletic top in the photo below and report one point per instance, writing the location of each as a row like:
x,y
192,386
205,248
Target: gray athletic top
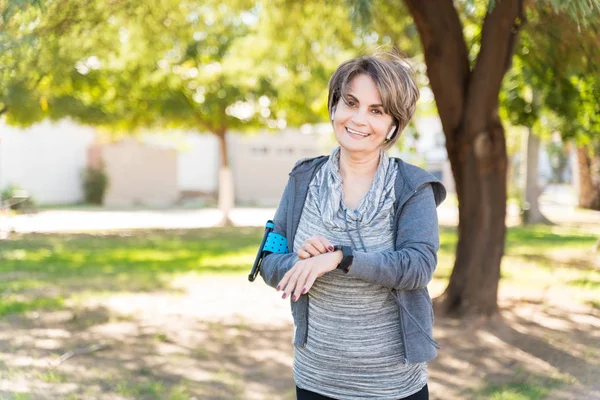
x,y
354,344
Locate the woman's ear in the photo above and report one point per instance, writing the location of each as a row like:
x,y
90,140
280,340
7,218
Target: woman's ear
x,y
391,133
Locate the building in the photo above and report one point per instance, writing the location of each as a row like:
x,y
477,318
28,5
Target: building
x,y
176,167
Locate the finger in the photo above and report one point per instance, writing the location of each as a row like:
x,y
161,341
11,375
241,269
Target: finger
x,y
309,248
284,281
317,243
309,282
315,272
291,283
326,243
301,284
303,254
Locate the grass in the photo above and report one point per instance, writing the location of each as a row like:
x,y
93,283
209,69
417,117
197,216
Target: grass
x,y
40,272
531,389
11,306
49,272
538,257
515,391
594,304
44,272
53,377
21,396
152,390
138,261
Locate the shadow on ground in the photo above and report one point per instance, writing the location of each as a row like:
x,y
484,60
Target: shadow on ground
x,y
533,350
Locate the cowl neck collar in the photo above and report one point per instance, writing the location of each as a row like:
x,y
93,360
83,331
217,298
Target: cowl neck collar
x,y
334,212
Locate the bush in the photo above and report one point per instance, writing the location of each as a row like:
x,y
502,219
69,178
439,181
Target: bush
x,y
17,198
95,183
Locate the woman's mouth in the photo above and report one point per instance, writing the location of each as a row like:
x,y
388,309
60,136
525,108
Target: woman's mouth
x,y
357,133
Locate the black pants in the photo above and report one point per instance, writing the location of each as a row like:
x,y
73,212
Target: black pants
x,y
302,394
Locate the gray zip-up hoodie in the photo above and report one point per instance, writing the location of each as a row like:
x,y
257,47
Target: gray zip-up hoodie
x,y
406,271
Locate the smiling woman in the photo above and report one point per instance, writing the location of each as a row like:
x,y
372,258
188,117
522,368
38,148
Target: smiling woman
x,y
362,236
359,120
388,93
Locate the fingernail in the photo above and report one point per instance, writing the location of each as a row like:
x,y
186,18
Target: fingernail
x,y
330,248
294,298
284,296
304,291
277,288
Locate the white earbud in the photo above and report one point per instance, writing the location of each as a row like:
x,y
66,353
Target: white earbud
x,y
391,133
332,113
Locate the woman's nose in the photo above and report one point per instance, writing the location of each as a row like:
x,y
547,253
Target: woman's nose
x,y
359,116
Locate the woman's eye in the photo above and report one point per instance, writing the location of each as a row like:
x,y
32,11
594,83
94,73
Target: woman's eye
x,y
351,103
378,112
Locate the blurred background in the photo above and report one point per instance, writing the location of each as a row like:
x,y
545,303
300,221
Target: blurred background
x,y
143,146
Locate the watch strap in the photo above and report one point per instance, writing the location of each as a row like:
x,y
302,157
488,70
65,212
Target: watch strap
x,y
347,257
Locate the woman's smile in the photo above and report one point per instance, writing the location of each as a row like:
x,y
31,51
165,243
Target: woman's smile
x,y
355,133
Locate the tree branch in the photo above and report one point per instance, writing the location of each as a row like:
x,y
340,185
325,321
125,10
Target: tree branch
x,y
3,110
498,38
201,122
446,56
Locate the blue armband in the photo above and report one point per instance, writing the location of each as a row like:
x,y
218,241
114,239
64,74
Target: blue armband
x,y
276,243
271,243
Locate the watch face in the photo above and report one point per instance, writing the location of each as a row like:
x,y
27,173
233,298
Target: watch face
x,y
347,259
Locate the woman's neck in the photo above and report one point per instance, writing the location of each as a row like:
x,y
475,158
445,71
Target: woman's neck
x,y
358,166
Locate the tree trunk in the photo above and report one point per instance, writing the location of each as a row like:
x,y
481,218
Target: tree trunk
x,y
530,189
481,189
226,197
589,178
467,102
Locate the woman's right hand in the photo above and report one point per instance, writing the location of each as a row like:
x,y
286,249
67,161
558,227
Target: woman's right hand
x,y
313,246
298,280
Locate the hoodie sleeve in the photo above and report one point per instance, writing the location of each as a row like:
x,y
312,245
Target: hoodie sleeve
x,y
274,266
411,265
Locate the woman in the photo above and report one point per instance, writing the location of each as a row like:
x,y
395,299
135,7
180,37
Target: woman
x,y
362,233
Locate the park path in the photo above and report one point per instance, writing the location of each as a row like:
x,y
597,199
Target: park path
x,y
559,201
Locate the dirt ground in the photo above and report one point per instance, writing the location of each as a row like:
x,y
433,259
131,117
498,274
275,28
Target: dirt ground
x,y
220,337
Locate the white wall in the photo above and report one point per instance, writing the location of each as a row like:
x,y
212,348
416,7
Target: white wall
x,y
261,163
45,159
198,163
140,174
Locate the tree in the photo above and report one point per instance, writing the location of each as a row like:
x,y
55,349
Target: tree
x,y
466,94
39,46
584,130
565,61
465,68
213,67
553,51
129,65
468,48
521,104
588,160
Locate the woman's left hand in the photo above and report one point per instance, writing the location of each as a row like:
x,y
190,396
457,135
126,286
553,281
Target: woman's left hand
x,y
302,276
313,246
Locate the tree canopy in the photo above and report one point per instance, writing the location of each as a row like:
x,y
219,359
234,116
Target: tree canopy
x,y
223,65
557,60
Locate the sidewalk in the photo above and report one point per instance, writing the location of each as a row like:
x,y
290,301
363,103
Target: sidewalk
x,y
558,205
99,220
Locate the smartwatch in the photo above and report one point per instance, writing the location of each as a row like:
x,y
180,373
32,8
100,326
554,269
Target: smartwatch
x,y
347,257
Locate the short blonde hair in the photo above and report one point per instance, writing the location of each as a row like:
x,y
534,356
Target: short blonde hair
x,y
394,78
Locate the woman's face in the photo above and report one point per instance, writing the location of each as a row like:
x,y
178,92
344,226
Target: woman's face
x,y
359,122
